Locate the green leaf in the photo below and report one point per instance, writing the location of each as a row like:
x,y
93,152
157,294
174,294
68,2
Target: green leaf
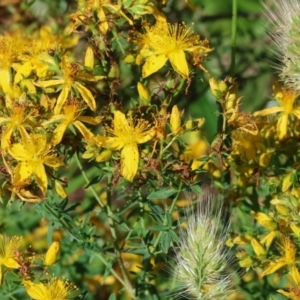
x,y
165,241
95,180
159,228
162,194
174,236
112,297
107,269
197,189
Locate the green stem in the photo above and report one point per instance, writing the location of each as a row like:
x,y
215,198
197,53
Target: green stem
x,y
163,150
165,221
91,188
63,222
116,275
141,205
113,231
116,37
111,222
233,36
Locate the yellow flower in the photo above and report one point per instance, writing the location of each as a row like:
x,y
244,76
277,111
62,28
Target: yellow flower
x,y
286,99
71,76
168,42
8,56
287,259
126,135
246,145
71,116
17,119
94,149
294,290
32,155
8,246
86,8
55,289
196,151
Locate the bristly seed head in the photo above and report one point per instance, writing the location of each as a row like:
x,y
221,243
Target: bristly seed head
x,y
201,259
285,24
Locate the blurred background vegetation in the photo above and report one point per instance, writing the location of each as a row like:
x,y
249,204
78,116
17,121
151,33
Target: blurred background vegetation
x,y
212,20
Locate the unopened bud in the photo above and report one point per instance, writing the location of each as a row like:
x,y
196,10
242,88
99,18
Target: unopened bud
x,y
144,92
175,120
89,59
52,254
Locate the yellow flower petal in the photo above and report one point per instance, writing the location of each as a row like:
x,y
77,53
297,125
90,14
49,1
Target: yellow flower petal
x,y
295,275
86,95
129,161
268,111
61,99
41,176
58,133
5,82
11,263
273,268
83,130
36,291
153,64
282,126
23,171
103,25
178,62
49,83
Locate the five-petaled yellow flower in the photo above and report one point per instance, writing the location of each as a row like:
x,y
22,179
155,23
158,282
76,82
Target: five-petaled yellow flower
x,y
72,75
126,134
287,259
55,289
32,155
16,119
286,99
71,116
8,246
168,42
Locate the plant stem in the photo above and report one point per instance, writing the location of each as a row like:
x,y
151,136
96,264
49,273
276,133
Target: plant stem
x,y
116,275
233,37
165,221
91,188
112,227
113,231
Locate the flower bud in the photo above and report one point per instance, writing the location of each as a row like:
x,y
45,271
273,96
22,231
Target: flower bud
x,y
104,155
214,86
265,220
51,255
144,93
258,248
89,59
175,119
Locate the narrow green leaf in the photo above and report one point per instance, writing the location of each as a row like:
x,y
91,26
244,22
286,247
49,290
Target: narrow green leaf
x,y
162,194
165,241
197,189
